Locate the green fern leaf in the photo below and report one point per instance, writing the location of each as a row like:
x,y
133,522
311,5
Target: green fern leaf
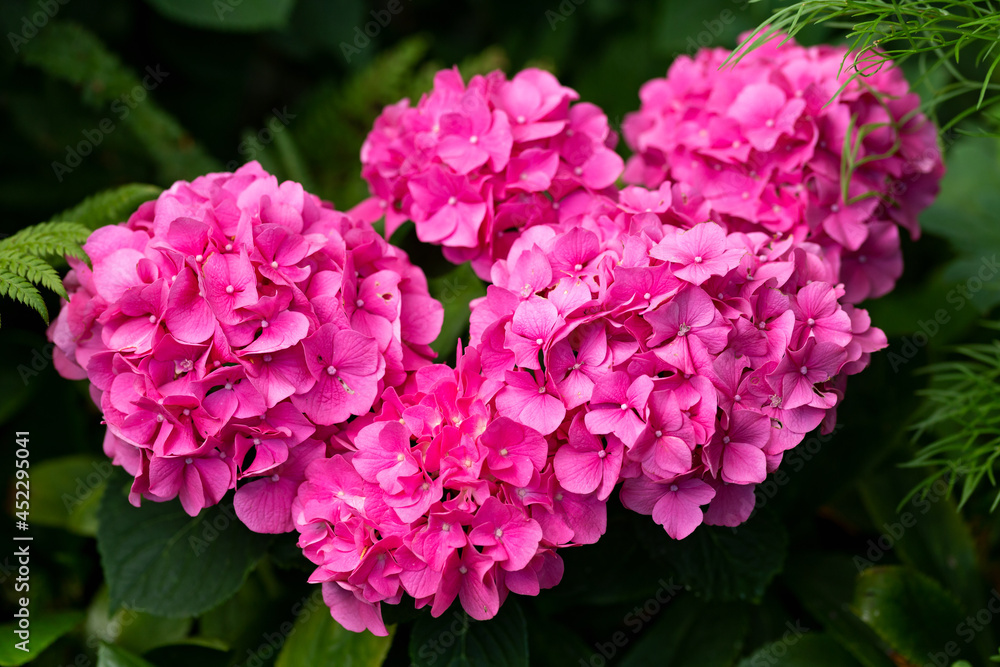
x,y
34,269
47,239
19,289
111,206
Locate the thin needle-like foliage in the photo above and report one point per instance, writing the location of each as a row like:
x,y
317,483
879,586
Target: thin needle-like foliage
x,y
941,36
960,433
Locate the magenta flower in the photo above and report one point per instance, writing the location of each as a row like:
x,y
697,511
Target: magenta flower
x,y
345,366
584,465
699,252
675,505
531,400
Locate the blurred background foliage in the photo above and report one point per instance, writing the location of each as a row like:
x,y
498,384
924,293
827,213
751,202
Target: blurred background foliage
x,y
842,563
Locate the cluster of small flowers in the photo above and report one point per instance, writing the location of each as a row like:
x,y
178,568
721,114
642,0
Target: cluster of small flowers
x,y
473,165
438,497
236,316
763,143
684,362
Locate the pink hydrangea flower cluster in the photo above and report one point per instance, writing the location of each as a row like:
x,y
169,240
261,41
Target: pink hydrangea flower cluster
x,y
763,143
227,329
677,357
472,165
437,496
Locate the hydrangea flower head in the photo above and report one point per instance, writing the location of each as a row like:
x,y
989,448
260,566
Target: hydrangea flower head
x,y
440,498
228,327
762,143
474,164
673,355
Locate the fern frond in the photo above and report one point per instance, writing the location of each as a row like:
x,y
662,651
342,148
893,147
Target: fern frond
x,y
19,289
34,269
47,239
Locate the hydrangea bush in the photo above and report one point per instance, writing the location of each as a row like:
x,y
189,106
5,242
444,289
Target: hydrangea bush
x,y
672,338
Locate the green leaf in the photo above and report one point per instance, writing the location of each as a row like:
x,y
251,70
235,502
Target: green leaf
x,y
158,559
47,238
34,269
690,632
721,563
969,195
928,532
910,612
455,290
67,491
824,584
132,630
455,640
110,207
227,15
17,288
230,621
116,656
45,628
193,652
811,650
317,639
